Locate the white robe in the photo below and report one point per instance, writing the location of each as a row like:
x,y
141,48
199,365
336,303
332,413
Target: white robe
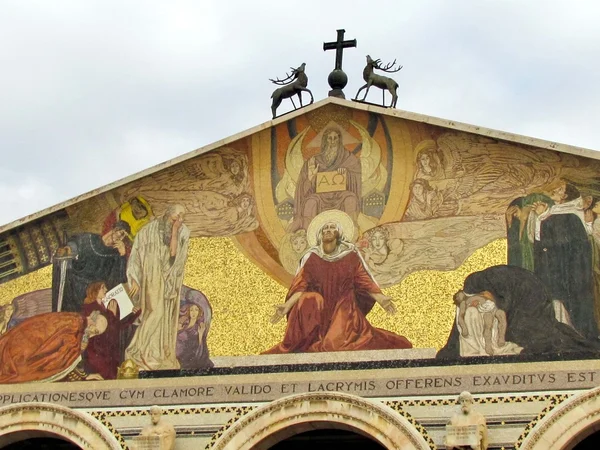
x,y
160,279
474,344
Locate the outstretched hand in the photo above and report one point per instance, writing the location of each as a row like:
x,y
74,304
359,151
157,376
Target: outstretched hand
x,y
385,302
389,307
280,312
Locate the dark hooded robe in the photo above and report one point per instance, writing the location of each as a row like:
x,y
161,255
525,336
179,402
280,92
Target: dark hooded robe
x,y
563,262
92,261
192,349
530,318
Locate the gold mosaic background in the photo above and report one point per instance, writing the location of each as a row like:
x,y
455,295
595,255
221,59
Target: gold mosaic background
x,y
244,297
40,279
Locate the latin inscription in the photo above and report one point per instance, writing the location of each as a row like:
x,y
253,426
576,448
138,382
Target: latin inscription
x,y
433,385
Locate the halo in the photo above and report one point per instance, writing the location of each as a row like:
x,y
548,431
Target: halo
x,y
427,144
346,137
333,215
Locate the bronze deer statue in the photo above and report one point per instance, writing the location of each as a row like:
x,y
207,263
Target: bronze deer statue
x,y
293,84
379,81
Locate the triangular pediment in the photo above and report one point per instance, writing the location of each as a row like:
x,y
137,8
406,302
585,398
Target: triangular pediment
x,y
450,125
420,203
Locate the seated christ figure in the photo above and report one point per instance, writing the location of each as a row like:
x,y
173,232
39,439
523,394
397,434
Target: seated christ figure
x,y
330,297
309,202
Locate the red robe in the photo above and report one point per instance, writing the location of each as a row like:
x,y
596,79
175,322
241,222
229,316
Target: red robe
x,y
40,347
330,314
103,353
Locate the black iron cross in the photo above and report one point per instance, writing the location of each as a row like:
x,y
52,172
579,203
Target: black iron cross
x,y
339,47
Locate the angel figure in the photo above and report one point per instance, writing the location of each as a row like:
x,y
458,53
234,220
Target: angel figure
x,y
292,249
378,248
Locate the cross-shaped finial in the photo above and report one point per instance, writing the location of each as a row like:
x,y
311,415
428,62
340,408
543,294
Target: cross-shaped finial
x,y
339,47
338,79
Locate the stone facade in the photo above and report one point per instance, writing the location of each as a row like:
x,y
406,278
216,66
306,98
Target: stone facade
x,y
433,204
109,414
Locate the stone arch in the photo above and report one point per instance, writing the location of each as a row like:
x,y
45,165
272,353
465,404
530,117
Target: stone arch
x,y
48,419
566,425
295,414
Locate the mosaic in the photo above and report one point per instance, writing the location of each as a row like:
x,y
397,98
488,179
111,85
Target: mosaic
x,y
338,230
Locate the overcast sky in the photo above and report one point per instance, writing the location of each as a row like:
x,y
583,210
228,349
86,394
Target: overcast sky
x,y
93,91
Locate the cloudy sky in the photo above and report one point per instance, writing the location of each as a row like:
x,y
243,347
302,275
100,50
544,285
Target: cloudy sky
x,y
93,91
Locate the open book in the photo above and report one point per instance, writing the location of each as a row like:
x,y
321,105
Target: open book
x,y
119,293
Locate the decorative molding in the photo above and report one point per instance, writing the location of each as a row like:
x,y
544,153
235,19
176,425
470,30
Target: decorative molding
x,y
178,411
479,399
240,410
103,419
560,422
75,426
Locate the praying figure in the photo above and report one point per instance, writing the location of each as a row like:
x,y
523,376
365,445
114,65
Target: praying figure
x,y
330,297
194,324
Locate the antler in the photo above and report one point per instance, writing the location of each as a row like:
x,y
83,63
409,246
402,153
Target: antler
x,y
287,80
387,67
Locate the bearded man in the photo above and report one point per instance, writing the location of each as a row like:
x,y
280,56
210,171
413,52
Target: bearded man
x,y
155,273
86,258
466,418
329,299
159,428
332,158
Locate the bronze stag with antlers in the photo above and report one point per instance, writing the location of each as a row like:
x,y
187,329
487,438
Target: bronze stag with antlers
x,y
380,81
293,84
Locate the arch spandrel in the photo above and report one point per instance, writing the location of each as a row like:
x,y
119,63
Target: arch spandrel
x,y
291,415
65,423
567,424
